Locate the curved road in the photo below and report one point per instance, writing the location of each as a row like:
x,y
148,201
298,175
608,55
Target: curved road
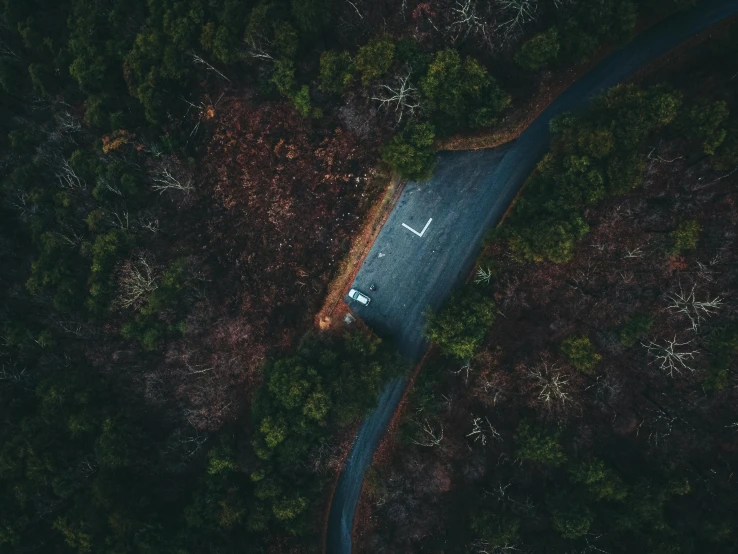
x,y
417,268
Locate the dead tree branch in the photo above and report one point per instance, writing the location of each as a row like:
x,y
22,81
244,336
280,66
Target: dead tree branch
x,y
669,356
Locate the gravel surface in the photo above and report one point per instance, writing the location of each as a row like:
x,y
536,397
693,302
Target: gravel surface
x,y
469,192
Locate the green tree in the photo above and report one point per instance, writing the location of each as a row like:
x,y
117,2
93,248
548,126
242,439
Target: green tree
x,y
375,58
461,93
311,16
410,153
685,236
336,71
496,530
581,353
599,480
539,50
634,329
571,520
537,445
461,325
706,122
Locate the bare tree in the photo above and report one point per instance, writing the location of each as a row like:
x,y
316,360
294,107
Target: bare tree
x,y
516,13
670,357
661,425
483,433
182,446
466,369
467,20
136,282
147,222
349,2
120,220
164,181
483,547
483,276
69,234
199,61
66,175
552,386
67,123
697,311
105,182
15,376
635,253
428,435
402,96
324,458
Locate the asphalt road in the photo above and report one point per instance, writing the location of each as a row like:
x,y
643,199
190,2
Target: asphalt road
x,y
469,192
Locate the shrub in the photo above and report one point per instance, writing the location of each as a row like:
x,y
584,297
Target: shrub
x,y
459,92
538,446
685,236
539,50
336,71
580,352
459,328
283,77
600,481
572,520
496,530
411,153
374,59
705,122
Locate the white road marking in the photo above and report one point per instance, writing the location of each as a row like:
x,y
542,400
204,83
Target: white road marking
x,y
414,231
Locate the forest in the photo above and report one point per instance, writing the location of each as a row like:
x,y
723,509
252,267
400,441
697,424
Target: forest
x,y
179,182
581,393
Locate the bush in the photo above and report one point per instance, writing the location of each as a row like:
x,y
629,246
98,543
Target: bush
x,y
600,481
685,237
539,50
336,71
705,122
375,59
593,23
411,153
572,520
301,101
461,93
283,77
538,446
459,328
496,530
580,352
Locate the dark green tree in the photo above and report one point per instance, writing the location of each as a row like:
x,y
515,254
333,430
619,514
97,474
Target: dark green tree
x,y
463,322
581,353
375,58
410,153
539,50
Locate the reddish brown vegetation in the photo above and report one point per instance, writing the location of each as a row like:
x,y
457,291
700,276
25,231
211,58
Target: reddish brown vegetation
x,y
272,210
283,198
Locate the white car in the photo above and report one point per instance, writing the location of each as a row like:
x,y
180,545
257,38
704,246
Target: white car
x,y
359,297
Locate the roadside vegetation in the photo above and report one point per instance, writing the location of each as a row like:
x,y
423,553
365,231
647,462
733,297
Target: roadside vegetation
x,y
596,411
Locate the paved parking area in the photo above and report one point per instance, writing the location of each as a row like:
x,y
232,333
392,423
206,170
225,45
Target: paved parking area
x,y
428,245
